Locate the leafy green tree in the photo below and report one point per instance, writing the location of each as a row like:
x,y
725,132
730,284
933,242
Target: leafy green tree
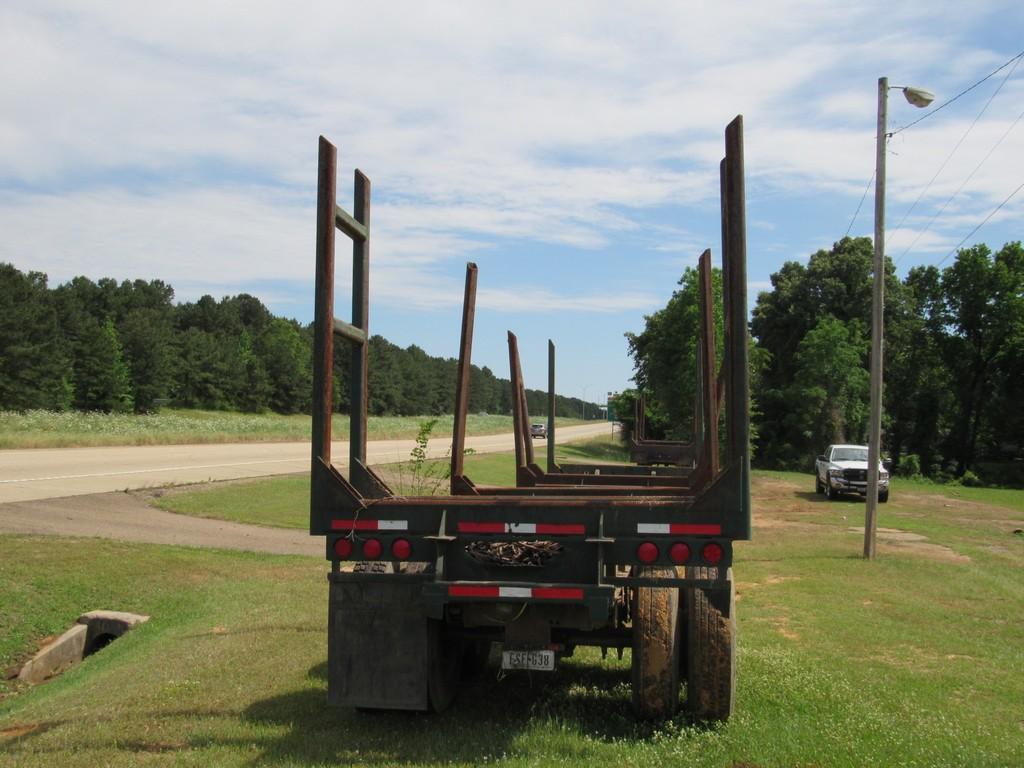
x,y
918,393
665,357
834,284
984,312
148,337
829,394
287,358
101,377
35,371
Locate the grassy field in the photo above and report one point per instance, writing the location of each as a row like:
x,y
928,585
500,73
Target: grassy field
x,y
49,429
284,501
915,659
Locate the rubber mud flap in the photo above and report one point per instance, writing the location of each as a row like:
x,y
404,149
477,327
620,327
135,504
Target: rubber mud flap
x,y
377,646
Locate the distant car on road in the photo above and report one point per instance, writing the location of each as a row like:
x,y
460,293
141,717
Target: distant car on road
x,y
539,430
844,469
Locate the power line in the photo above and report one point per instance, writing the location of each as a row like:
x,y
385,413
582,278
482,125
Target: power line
x,y
983,223
962,93
958,144
960,188
857,212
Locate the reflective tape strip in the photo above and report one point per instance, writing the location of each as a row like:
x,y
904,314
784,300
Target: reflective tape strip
x,y
697,529
546,529
481,527
468,590
558,593
515,592
694,529
561,529
370,525
520,593
652,528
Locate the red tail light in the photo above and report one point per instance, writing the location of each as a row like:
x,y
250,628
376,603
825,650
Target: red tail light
x,y
712,553
401,549
679,553
647,552
343,548
372,549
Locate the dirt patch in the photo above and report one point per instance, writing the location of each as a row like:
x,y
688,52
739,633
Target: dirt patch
x,y
781,625
896,541
745,586
17,731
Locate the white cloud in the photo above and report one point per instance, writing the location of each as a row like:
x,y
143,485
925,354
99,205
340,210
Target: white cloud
x,y
178,141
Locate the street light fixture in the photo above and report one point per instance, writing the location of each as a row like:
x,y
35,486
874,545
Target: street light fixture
x,y
920,98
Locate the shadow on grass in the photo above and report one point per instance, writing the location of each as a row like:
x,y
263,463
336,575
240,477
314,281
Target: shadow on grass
x,y
485,722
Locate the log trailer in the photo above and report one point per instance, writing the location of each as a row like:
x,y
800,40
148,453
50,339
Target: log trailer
x,y
649,573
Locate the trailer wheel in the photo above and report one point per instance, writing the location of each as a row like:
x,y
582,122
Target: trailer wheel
x,y
444,665
711,652
474,660
656,647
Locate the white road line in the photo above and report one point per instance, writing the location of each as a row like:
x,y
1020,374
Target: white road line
x,y
156,469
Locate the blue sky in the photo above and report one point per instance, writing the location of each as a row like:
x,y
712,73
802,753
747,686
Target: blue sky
x,y
570,149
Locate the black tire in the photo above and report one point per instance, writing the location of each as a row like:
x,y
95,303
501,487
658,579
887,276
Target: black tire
x,y
656,647
711,651
474,661
883,496
829,493
818,488
444,665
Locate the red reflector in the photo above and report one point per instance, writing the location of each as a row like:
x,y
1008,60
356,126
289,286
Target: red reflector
x,y
461,590
343,548
354,525
401,549
679,553
372,549
554,529
647,552
712,553
558,593
696,529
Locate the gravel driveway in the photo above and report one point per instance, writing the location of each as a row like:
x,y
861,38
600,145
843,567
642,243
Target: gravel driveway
x,y
129,517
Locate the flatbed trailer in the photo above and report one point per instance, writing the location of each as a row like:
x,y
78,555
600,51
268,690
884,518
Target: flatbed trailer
x,y
412,604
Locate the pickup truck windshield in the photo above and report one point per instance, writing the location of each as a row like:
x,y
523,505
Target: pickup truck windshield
x,y
850,454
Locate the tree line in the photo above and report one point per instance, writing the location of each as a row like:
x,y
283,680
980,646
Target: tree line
x,y
953,362
109,346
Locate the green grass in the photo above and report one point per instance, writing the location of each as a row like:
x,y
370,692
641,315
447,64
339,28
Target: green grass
x,y
49,429
284,501
914,659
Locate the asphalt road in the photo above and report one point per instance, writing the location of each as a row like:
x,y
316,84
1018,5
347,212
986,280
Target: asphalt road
x,y
47,473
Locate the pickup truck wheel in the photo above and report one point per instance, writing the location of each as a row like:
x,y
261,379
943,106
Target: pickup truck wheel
x,y
444,665
818,488
883,496
656,647
711,651
829,493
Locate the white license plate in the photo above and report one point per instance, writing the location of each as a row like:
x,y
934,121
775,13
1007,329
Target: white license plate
x,y
543,661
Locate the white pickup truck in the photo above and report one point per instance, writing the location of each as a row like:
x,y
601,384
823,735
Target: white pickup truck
x,y
844,469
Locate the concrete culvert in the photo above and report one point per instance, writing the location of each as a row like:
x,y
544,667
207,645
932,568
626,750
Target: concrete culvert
x,y
93,631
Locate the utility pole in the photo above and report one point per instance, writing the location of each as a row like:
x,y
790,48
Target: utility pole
x,y
920,98
877,314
